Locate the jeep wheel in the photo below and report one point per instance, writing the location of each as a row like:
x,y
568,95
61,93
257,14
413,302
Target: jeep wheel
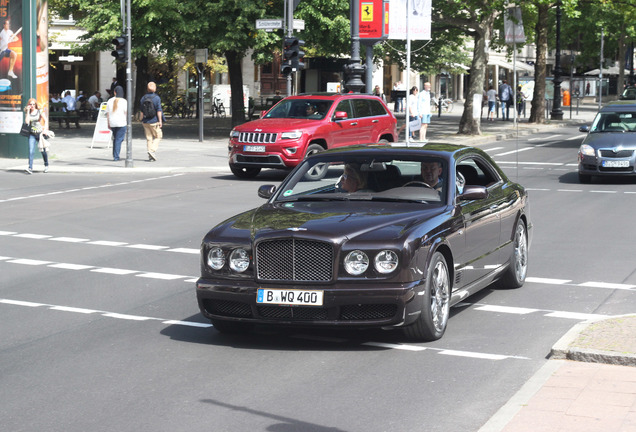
x,y
317,172
245,173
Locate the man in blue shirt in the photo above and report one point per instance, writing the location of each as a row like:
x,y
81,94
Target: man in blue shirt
x,y
152,120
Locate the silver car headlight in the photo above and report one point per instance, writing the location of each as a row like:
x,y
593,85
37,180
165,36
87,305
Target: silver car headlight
x,y
386,261
356,262
216,258
291,135
587,150
239,260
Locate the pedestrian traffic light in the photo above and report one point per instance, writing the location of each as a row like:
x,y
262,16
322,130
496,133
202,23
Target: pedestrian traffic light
x,y
120,49
286,68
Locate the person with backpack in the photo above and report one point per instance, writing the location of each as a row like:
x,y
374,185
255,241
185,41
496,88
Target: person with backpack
x,y
505,96
152,120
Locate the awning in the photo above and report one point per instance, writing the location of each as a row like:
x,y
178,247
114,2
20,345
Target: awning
x,y
521,66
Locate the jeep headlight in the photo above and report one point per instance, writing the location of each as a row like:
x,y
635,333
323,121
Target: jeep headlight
x,y
587,150
291,135
234,134
239,260
356,262
386,261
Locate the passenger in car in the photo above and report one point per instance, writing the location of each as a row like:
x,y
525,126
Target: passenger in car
x,y
352,179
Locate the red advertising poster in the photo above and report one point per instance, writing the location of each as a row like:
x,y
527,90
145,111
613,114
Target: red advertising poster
x,y
42,56
10,66
371,19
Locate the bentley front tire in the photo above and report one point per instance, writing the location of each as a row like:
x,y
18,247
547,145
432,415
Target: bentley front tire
x,y
432,321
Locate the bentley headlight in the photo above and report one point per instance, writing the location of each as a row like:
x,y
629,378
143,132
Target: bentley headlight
x,y
216,258
239,260
386,261
587,150
356,262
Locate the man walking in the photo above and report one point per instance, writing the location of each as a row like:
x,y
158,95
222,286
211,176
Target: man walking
x,y
152,121
505,96
424,109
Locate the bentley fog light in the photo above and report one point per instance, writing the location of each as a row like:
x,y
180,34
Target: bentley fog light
x,y
216,258
386,261
239,260
356,262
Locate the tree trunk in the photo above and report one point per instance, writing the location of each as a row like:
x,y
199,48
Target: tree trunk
x,y
236,85
477,79
143,77
622,48
537,112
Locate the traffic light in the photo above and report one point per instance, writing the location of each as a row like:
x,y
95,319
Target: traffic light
x,y
297,54
120,49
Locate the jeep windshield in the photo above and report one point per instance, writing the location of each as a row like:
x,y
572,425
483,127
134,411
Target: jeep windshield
x,y
310,109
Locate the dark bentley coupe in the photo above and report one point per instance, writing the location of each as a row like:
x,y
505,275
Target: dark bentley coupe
x,y
390,237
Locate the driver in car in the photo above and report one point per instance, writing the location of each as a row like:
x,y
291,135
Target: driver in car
x,y
431,172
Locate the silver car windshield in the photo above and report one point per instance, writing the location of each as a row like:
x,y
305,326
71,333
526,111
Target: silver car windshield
x,y
422,180
310,109
614,122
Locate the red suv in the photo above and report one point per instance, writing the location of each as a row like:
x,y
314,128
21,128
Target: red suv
x,y
302,125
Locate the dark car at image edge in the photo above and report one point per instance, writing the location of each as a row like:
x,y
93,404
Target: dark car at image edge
x,y
394,254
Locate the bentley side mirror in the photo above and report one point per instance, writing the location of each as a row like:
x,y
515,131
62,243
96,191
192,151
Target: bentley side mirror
x,y
473,193
266,191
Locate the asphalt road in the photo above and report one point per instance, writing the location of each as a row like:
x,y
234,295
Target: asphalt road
x,y
100,328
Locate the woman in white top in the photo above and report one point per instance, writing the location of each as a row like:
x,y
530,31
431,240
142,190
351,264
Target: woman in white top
x,y
117,115
492,102
37,121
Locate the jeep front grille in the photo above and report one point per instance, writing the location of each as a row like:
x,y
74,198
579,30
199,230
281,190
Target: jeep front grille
x,y
257,137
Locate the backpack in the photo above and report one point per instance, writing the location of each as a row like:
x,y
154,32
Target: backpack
x,y
148,108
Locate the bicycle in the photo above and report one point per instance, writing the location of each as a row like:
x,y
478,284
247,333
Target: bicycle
x,y
447,104
178,107
218,109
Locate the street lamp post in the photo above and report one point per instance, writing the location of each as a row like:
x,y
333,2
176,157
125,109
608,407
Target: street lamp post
x,y
557,113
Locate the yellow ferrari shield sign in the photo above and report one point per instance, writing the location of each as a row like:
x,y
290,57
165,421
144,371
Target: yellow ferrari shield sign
x,y
366,11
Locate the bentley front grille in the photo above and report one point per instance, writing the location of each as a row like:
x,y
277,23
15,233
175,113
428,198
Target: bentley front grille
x,y
294,260
257,137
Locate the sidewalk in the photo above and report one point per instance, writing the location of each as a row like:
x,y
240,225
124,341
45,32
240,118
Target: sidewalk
x,y
181,151
588,385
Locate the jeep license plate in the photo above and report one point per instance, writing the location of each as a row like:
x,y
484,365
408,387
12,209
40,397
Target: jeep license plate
x,y
253,148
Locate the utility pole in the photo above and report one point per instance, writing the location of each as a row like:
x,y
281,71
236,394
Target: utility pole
x,y
354,68
129,95
557,113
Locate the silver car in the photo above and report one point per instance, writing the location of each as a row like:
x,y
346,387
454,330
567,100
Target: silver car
x,y
609,149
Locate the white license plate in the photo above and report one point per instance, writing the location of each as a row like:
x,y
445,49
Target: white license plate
x,y
289,297
615,164
254,148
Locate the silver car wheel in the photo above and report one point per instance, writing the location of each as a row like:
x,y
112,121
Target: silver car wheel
x,y
440,296
521,252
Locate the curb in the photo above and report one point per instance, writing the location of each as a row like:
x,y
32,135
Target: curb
x,y
563,349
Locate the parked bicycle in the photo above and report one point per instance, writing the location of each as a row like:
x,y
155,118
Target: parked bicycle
x,y
218,110
179,107
447,104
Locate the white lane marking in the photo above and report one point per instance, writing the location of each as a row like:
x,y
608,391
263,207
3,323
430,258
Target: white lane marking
x,y
73,309
607,285
548,280
395,346
103,313
569,190
107,243
162,276
575,316
506,309
515,151
147,247
603,191
31,262
4,258
493,149
185,250
87,188
474,355
21,303
531,163
544,138
572,138
69,266
33,236
69,239
114,271
141,246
